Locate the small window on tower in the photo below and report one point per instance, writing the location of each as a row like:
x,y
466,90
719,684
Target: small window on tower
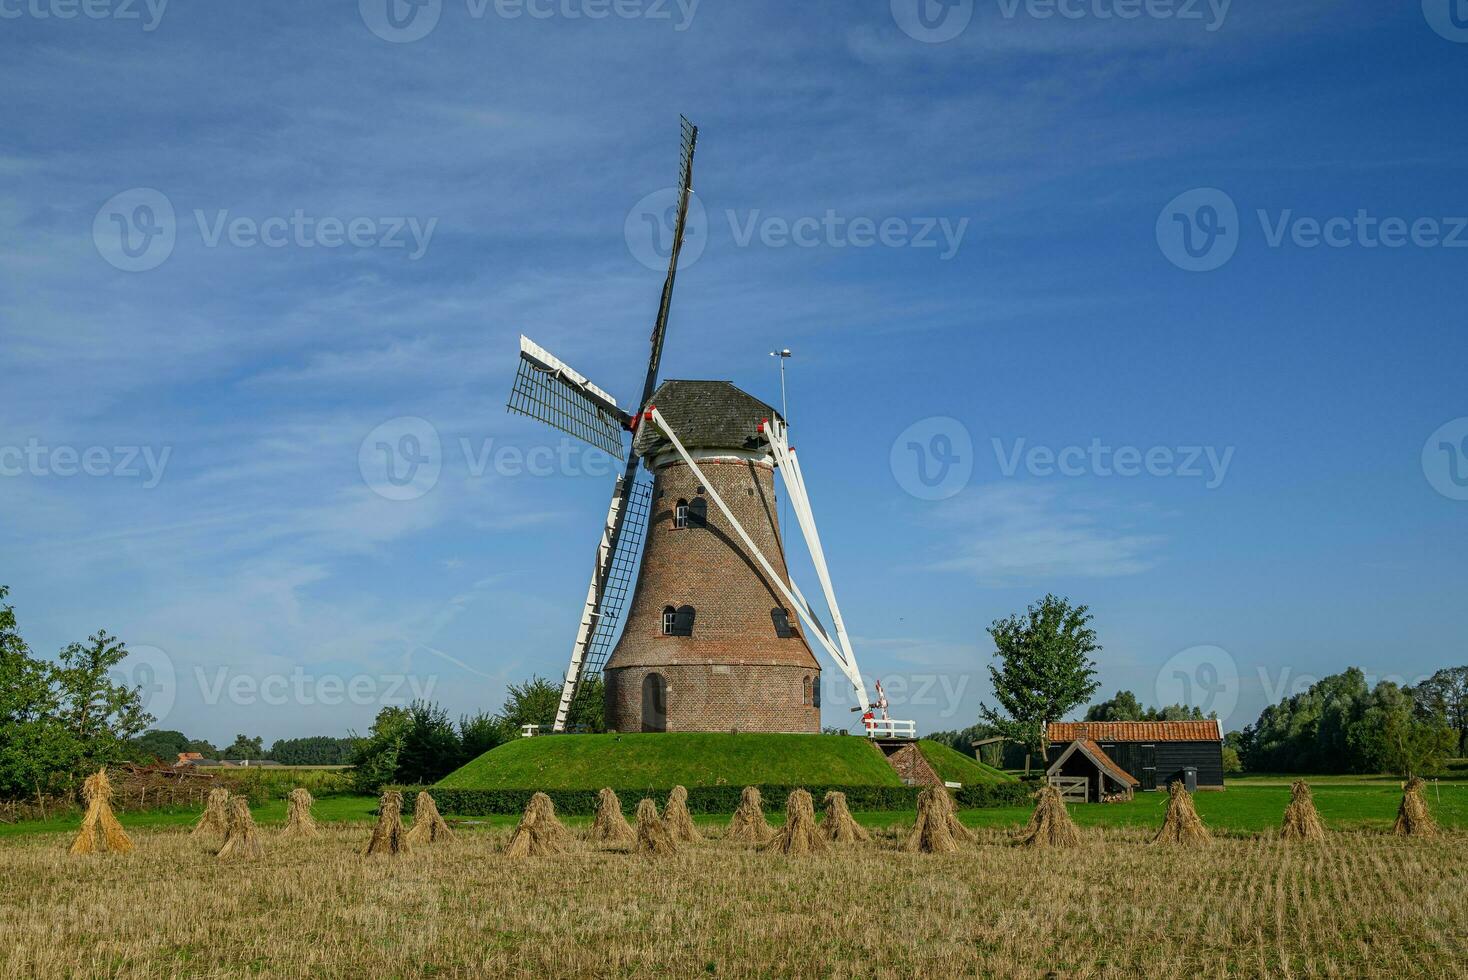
x,y
781,619
805,692
816,693
698,513
679,621
680,514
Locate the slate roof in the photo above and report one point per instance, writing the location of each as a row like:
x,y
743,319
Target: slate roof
x,y
1134,731
705,415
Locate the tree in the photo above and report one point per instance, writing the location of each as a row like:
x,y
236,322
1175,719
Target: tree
x,y
244,747
430,746
159,746
61,719
375,763
316,750
1395,736
535,701
1445,693
1123,707
102,716
1045,669
478,733
203,747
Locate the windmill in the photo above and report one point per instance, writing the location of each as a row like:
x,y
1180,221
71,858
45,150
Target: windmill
x,y
710,624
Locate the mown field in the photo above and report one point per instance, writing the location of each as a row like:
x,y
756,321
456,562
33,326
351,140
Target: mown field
x,y
1362,904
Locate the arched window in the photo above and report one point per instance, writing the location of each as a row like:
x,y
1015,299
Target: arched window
x,y
679,621
654,703
805,694
781,619
698,513
680,514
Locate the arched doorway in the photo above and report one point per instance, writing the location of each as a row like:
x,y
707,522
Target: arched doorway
x,y
654,703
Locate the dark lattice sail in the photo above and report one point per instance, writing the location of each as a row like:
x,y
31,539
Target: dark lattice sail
x,y
548,390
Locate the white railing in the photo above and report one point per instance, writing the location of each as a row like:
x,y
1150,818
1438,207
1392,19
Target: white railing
x,y
529,731
891,728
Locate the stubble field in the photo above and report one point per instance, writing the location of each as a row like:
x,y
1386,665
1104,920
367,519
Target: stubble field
x,y
1362,904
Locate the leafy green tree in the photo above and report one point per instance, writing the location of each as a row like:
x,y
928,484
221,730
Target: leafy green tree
x,y
1123,707
102,716
244,747
1045,669
161,746
375,763
205,748
430,748
60,719
1445,693
1231,762
1394,735
535,701
316,750
478,733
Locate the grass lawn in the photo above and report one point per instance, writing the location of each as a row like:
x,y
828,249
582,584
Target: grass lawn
x,y
955,767
665,760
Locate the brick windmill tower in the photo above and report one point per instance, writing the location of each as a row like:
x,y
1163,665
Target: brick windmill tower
x,y
718,635
710,643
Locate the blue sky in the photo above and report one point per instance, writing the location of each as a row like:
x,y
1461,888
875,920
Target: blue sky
x,y
497,174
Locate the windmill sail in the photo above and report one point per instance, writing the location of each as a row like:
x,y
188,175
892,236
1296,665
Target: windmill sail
x,y
631,500
549,390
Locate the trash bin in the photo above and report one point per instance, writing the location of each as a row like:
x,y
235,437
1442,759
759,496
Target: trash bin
x,y
1190,778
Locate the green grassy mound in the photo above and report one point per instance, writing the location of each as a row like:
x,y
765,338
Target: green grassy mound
x,y
955,767
660,761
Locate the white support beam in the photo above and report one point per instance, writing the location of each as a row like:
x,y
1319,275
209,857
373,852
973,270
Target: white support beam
x,y
775,432
802,609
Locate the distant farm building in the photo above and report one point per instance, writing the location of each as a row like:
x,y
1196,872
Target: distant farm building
x,y
1096,761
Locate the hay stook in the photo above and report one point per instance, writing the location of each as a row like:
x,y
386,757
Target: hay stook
x,y
389,837
653,837
539,833
429,826
610,825
242,840
800,835
932,833
1413,817
1181,825
100,830
677,818
1050,825
748,825
840,827
215,819
1301,819
299,821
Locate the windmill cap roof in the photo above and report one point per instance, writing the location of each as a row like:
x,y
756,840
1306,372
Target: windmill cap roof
x,y
704,415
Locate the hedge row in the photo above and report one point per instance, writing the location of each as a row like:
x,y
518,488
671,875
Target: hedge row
x,y
705,799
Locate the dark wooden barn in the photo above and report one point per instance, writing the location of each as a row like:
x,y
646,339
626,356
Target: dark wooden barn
x,y
1116,757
